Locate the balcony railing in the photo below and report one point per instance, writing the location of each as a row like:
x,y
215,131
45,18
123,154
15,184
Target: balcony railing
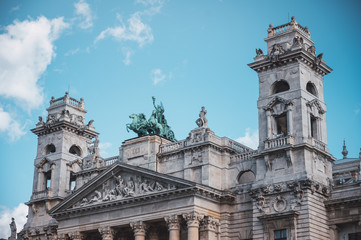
x,y
318,144
111,160
278,142
67,100
242,156
172,146
273,31
41,194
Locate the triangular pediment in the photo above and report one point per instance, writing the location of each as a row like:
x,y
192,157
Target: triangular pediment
x,y
277,104
121,183
315,103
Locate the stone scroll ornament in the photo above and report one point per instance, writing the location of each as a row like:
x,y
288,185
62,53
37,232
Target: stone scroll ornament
x,y
155,125
122,186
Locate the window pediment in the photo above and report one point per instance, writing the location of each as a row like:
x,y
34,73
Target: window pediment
x,y
315,107
277,105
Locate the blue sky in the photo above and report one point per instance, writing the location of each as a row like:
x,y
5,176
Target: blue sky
x,y
118,54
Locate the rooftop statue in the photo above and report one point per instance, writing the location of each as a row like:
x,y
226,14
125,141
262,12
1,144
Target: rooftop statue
x,y
156,124
202,120
13,229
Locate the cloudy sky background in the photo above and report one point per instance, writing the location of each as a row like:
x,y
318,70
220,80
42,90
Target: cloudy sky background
x,y
117,54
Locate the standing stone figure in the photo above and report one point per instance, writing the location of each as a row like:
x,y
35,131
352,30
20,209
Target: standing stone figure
x,y
202,120
13,229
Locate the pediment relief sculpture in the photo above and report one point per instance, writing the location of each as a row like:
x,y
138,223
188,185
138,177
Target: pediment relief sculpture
x,y
124,185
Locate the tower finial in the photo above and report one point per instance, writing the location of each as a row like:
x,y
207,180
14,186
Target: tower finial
x,y
344,150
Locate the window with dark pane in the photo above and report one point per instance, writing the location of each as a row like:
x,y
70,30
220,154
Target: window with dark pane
x,y
280,234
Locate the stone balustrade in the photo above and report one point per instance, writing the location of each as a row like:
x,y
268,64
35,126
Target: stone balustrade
x,y
172,146
109,161
318,144
67,100
242,156
278,142
273,31
40,194
226,142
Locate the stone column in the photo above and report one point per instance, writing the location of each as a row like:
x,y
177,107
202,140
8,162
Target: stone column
x,y
193,220
289,120
41,185
139,229
209,228
334,232
269,124
76,235
107,233
61,236
173,223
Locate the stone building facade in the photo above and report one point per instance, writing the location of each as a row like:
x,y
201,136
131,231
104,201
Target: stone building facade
x,y
204,187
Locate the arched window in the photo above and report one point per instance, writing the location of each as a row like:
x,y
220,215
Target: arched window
x,y
280,86
310,87
75,150
246,177
50,148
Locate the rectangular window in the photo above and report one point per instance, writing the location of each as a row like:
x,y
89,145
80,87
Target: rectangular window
x,y
48,179
280,234
72,181
354,236
313,127
281,125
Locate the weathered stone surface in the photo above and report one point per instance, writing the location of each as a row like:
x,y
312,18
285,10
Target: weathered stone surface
x,y
204,186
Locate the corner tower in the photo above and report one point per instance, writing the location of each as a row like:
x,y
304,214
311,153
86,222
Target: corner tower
x,y
293,154
62,143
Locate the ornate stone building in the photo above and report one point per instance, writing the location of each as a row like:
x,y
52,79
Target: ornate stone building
x,y
204,187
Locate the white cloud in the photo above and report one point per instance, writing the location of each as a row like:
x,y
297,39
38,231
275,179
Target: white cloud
x,y
10,126
16,8
19,213
83,10
249,139
26,49
127,54
157,76
72,52
136,31
154,6
103,147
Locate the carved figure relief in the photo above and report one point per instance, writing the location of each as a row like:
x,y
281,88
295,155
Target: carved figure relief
x,y
297,41
276,51
124,185
260,202
312,50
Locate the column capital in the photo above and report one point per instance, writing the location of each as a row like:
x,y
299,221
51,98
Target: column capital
x,y
76,235
61,236
106,232
139,228
173,222
209,224
193,219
